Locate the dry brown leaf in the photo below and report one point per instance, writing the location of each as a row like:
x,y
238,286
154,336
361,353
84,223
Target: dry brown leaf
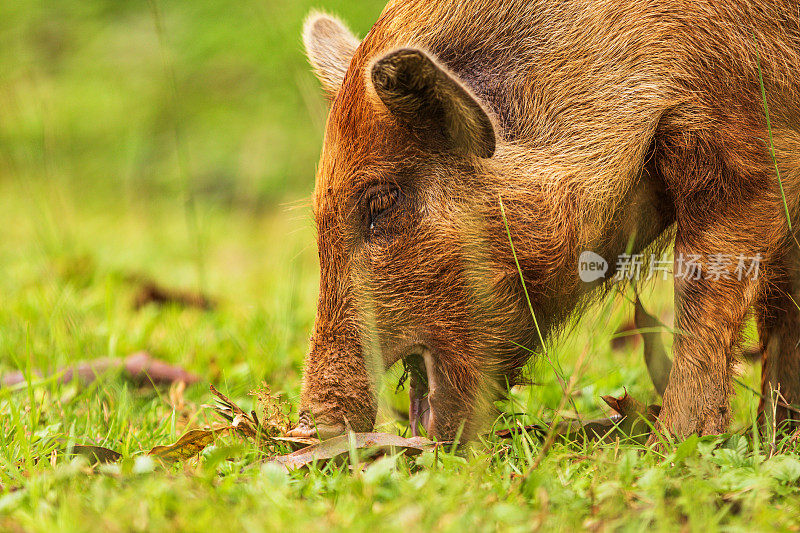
x,y
190,444
96,454
636,419
625,406
633,420
297,443
140,367
377,443
151,292
567,430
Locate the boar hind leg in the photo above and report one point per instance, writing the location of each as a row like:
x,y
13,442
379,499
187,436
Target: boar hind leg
x,y
711,305
779,331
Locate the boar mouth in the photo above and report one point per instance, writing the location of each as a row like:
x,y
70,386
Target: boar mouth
x,y
421,391
419,368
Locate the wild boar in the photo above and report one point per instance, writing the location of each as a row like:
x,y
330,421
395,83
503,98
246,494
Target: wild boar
x,y
459,127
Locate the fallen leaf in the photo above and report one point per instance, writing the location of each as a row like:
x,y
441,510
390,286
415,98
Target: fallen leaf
x,y
625,406
96,454
140,367
379,443
190,444
297,443
144,369
567,429
632,421
150,292
636,419
658,362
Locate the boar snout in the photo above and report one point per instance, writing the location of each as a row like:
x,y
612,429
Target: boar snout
x,y
338,393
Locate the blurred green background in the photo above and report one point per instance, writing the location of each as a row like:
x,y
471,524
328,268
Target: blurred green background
x,y
134,100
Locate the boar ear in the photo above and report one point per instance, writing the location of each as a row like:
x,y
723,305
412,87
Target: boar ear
x,y
425,97
330,47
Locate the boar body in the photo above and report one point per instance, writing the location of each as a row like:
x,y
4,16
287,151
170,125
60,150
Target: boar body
x,y
608,126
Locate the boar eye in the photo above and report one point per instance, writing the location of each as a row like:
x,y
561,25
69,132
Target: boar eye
x,y
380,202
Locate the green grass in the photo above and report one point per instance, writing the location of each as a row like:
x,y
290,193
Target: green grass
x,y
92,190
66,298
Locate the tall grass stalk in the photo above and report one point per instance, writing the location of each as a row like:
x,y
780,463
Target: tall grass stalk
x,y
189,202
771,143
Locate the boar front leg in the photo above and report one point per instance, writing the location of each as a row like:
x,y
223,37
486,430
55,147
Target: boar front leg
x,y
710,310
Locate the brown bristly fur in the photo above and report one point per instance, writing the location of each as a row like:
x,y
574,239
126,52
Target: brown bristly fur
x,y
615,121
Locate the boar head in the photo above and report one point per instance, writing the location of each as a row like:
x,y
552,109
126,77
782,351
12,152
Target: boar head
x,y
408,268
